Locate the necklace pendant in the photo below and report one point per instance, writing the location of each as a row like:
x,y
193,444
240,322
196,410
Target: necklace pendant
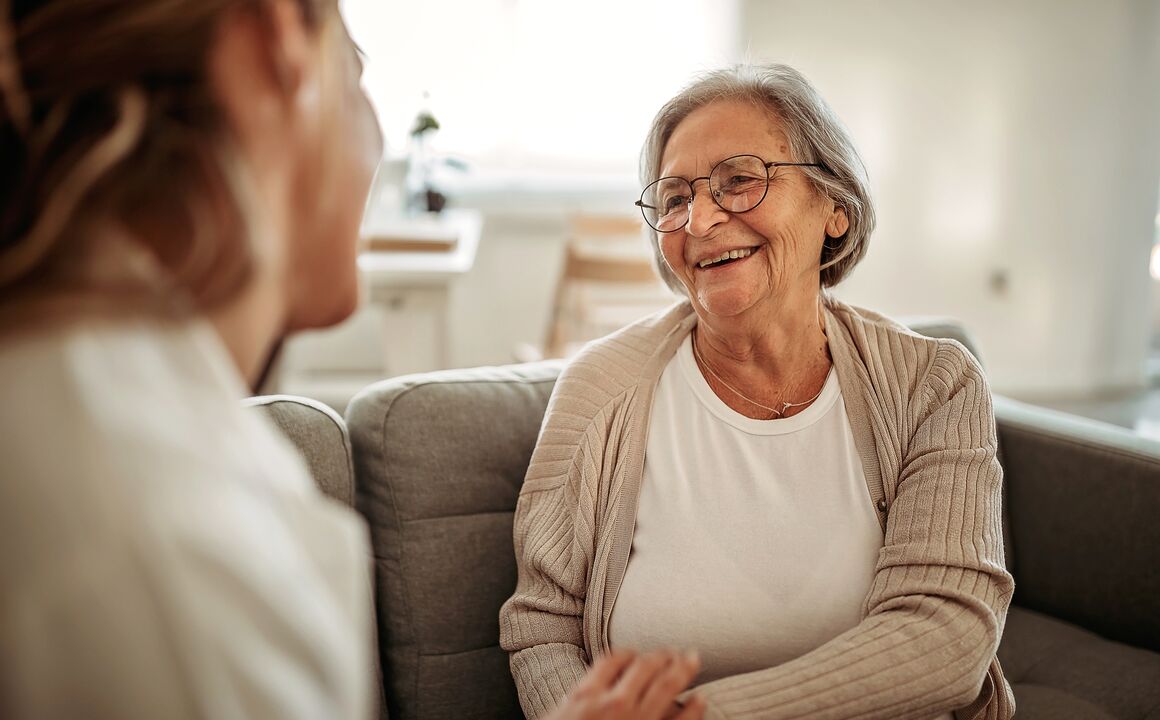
x,y
784,406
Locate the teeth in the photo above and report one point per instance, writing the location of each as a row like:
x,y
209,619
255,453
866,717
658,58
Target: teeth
x,y
727,255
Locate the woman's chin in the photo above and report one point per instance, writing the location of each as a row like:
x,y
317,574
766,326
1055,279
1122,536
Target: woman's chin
x,y
325,311
726,302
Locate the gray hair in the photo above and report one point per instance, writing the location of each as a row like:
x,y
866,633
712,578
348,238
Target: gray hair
x,y
815,135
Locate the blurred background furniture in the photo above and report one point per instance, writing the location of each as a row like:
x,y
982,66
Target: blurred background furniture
x,y
606,281
439,459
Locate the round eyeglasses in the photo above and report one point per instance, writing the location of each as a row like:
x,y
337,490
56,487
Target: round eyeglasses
x,y
737,184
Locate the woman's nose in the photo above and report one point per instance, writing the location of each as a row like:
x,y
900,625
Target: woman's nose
x,y
704,213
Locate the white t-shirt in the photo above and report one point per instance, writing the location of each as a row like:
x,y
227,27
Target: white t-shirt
x,y
163,552
755,540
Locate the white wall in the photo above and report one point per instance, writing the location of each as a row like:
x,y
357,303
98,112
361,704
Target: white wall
x,y
1014,150
1012,143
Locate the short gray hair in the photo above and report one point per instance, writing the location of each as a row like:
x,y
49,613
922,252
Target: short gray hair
x,y
815,135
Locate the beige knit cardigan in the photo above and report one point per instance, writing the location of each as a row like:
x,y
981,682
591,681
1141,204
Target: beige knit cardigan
x,y
920,412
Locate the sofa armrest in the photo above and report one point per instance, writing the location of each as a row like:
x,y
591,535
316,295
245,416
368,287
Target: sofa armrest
x,y
1082,500
320,435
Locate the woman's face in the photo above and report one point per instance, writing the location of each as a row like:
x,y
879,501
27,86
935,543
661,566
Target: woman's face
x,y
341,152
784,234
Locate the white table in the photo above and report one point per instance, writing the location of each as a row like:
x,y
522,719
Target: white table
x,y
412,288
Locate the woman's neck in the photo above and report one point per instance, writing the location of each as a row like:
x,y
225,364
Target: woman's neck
x,y
250,326
775,340
765,359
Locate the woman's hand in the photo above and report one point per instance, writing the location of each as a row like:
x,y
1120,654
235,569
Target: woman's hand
x,y
625,685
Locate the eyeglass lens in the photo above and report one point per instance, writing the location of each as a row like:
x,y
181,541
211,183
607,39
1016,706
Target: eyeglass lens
x,y
737,184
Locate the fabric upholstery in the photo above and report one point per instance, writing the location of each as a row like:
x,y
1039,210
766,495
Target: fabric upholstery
x,y
1082,499
320,435
441,458
1058,670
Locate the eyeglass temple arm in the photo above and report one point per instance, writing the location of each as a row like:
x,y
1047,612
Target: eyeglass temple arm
x,y
768,165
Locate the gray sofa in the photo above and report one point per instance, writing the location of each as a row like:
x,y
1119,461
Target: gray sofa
x,y
439,459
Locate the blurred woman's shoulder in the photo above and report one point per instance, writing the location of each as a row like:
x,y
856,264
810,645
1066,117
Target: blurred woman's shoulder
x,y
106,422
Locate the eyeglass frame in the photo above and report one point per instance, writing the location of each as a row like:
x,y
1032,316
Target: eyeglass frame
x,y
708,178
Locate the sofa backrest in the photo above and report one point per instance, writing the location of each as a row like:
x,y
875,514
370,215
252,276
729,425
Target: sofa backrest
x,y
1082,498
440,459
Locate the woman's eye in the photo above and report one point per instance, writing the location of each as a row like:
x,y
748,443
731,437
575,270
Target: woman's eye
x,y
674,202
741,183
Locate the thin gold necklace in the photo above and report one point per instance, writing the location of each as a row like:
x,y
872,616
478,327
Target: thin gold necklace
x,y
776,413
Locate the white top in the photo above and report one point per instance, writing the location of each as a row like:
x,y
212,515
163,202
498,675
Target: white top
x,y
163,552
755,540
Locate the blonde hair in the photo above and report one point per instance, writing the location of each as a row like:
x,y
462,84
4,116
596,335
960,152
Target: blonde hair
x,y
815,134
107,118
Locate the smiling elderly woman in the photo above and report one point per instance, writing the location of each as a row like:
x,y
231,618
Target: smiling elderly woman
x,y
804,492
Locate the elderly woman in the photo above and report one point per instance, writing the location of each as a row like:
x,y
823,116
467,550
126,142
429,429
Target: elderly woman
x,y
181,184
802,491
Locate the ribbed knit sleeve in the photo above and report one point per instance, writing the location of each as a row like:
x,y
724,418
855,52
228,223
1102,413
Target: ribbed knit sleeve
x,y
940,594
542,623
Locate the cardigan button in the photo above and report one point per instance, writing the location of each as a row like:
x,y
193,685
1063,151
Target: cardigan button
x,y
882,505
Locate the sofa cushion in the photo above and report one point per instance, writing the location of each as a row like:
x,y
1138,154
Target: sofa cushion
x,y
1082,498
440,460
1059,670
320,435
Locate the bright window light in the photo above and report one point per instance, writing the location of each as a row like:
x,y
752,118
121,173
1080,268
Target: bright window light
x,y
536,86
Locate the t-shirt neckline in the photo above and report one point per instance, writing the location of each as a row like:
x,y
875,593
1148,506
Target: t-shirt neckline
x,y
690,371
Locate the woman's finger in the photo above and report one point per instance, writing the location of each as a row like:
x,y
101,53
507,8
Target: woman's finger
x,y
607,669
694,709
667,684
641,674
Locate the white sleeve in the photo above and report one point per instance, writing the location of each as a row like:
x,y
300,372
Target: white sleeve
x,y
231,601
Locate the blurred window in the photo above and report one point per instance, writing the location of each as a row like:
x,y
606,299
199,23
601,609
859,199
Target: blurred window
x,y
536,86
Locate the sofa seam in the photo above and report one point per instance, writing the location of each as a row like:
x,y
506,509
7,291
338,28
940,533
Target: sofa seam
x,y
455,516
1054,652
461,652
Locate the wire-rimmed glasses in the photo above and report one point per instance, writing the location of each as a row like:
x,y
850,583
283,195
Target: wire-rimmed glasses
x,y
737,184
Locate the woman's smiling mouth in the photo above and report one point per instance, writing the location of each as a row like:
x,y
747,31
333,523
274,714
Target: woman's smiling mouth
x,y
726,258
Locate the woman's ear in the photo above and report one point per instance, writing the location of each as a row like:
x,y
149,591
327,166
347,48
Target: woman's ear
x,y
262,64
291,45
837,224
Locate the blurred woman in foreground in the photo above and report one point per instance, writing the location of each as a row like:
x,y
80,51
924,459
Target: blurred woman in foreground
x,y
181,185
